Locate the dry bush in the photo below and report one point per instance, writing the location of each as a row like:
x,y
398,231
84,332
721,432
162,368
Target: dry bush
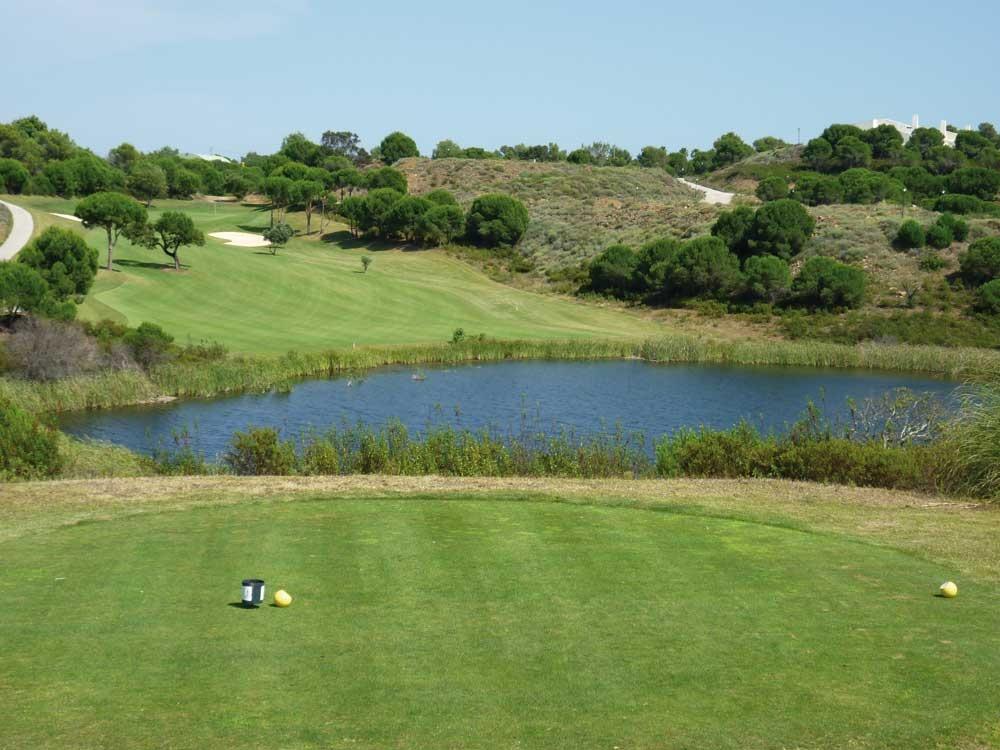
x,y
43,349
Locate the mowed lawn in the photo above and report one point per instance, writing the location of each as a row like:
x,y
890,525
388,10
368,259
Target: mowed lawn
x,y
313,294
483,622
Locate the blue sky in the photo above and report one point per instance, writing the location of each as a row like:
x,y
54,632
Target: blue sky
x,y
238,76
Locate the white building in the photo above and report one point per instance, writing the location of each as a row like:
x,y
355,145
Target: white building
x,y
208,157
906,129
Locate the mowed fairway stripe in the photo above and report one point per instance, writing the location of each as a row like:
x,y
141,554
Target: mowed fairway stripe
x,y
427,623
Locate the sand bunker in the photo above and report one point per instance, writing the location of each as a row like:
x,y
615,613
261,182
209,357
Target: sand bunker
x,y
240,239
68,217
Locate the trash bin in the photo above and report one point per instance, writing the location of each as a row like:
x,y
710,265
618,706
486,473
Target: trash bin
x,y
253,592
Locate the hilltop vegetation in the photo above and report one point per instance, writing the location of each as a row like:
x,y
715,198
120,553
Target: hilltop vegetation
x,y
576,210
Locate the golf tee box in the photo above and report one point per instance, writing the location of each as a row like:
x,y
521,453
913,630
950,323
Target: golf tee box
x,y
253,592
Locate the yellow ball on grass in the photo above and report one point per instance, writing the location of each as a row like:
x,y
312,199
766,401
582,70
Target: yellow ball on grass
x,y
949,590
282,598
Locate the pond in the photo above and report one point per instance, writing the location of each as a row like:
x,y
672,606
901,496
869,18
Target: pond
x,y
511,397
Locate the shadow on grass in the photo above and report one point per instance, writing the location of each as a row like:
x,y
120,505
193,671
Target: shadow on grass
x,y
239,605
348,241
144,264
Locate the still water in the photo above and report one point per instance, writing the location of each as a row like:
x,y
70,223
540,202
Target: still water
x,y
510,397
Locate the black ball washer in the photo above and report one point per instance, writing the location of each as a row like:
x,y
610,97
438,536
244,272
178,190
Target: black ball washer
x,y
253,592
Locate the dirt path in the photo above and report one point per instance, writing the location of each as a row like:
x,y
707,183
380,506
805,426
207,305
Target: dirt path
x,y
711,195
20,231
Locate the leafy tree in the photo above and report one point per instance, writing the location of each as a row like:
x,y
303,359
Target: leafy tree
x,y
22,289
378,210
972,144
865,186
964,204
172,231
280,191
703,267
885,141
354,209
653,157
836,133
701,161
405,217
278,236
988,297
396,146
447,149
654,259
124,157
344,143
348,180
293,170
772,188
64,259
910,236
818,153
183,183
441,223
13,176
580,156
238,184
441,197
815,189
768,143
299,148
307,193
780,228
922,140
62,177
982,183
980,264
825,283
614,271
729,149
93,175
944,160
767,277
851,152
496,220
733,228
114,213
918,181
147,181
989,130
677,163
386,177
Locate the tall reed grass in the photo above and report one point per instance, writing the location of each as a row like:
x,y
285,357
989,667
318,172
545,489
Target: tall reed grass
x,y
974,440
241,374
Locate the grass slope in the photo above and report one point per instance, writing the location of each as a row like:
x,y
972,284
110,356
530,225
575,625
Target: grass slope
x,y
313,294
576,211
440,618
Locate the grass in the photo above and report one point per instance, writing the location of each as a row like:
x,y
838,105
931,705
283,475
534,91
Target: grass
x,y
576,211
474,613
312,296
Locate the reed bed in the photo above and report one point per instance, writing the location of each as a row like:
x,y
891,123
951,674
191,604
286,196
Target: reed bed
x,y
259,374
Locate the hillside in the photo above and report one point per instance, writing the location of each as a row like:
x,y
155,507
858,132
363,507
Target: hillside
x,y
576,210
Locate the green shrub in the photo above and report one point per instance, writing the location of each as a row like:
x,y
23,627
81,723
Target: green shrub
x,y
702,267
733,228
772,188
980,264
825,283
964,204
977,181
396,146
150,345
939,236
260,452
959,228
817,189
865,186
496,220
931,261
988,298
29,449
910,236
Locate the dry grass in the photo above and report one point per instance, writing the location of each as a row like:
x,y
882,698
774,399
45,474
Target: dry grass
x,y
576,211
961,534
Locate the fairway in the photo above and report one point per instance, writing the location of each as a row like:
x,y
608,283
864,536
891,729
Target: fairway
x,y
483,622
313,294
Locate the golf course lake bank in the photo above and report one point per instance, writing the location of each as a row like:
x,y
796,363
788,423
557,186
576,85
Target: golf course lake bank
x,y
582,398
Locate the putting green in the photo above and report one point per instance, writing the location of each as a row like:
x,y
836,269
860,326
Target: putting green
x,y
483,623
